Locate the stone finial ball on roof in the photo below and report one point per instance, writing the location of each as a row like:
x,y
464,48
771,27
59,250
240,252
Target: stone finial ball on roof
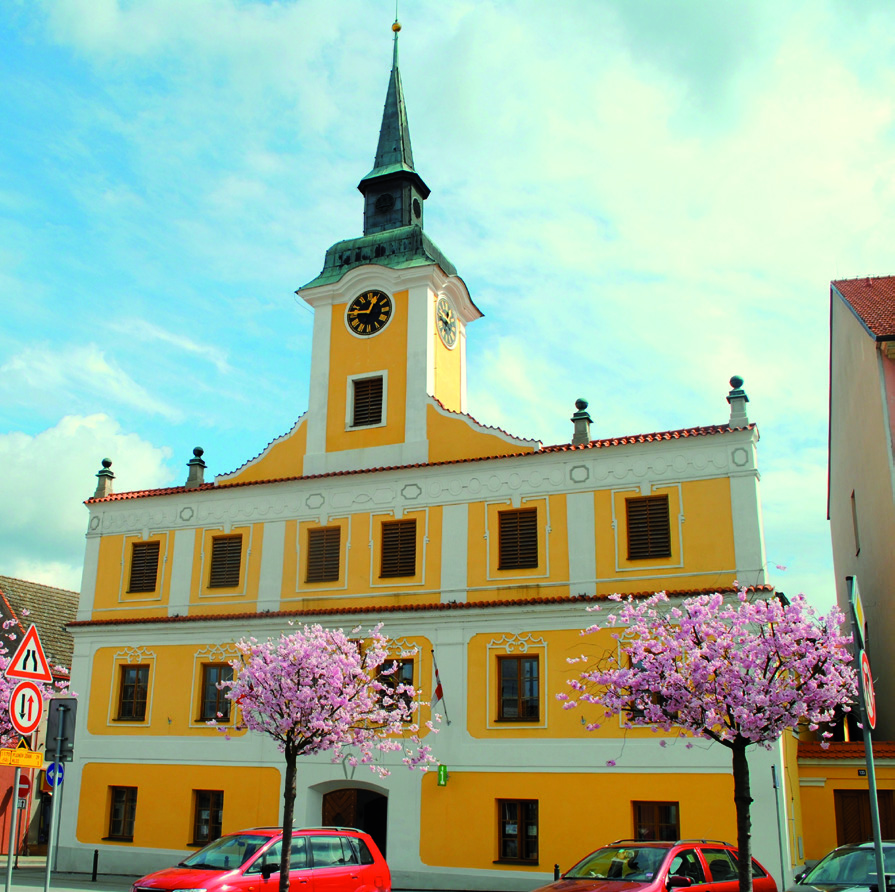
x,y
736,382
198,452
396,27
107,462
580,404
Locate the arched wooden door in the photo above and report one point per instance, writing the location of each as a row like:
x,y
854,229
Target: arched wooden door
x,y
363,809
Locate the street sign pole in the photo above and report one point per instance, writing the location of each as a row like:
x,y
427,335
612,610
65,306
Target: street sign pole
x,y
868,720
57,800
13,823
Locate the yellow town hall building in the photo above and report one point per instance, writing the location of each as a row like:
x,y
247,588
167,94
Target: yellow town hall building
x,y
386,502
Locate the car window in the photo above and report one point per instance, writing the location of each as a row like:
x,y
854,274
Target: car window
x,y
226,853
329,851
721,864
847,867
298,856
360,850
757,869
636,864
687,864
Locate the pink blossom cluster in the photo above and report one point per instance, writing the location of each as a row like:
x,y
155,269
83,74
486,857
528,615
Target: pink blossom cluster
x,y
735,671
318,690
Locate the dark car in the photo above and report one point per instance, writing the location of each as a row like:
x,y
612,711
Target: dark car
x,y
636,866
325,859
850,866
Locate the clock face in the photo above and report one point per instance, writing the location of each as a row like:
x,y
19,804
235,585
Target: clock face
x,y
369,313
446,322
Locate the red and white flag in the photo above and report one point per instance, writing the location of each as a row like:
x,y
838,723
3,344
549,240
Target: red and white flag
x,y
438,695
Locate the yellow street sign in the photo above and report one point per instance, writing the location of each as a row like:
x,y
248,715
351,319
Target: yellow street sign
x,y
21,758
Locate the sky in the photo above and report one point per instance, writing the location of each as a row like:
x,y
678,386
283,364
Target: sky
x,y
644,197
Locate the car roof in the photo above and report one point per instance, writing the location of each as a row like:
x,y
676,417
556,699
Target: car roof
x,y
668,844
275,831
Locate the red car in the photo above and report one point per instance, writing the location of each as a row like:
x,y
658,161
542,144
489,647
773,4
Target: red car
x,y
323,859
635,866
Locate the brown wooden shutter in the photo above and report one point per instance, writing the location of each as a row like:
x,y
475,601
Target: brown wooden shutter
x,y
226,556
518,539
367,402
144,567
649,528
398,549
324,545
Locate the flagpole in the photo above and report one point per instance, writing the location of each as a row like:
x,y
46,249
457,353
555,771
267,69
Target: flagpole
x,y
439,691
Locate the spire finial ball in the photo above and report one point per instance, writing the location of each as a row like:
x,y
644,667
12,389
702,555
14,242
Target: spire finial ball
x,y
396,27
736,382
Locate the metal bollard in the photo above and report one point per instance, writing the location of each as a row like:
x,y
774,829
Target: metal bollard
x,y
95,864
555,872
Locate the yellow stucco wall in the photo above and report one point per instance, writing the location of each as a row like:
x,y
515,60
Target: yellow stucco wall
x,y
165,793
448,385
577,812
453,439
284,457
352,355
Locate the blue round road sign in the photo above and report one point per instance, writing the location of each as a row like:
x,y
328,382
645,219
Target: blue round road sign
x,y
55,773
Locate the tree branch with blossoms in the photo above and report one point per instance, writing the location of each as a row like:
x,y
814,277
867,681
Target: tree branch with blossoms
x,y
734,671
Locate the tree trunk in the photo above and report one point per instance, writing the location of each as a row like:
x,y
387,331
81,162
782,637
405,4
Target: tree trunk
x,y
742,798
288,811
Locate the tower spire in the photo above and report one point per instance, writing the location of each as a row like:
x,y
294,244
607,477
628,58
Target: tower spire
x,y
393,191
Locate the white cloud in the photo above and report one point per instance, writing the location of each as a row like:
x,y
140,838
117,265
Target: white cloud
x,y
148,331
73,375
45,480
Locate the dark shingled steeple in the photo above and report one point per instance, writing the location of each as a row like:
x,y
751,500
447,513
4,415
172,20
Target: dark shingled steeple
x,y
393,201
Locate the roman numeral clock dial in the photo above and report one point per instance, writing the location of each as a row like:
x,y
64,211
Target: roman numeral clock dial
x,y
369,313
446,322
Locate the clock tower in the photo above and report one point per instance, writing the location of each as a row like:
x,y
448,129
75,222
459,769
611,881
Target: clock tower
x,y
388,361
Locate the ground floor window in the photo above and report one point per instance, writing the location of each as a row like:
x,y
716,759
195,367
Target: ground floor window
x,y
657,820
122,813
517,829
208,815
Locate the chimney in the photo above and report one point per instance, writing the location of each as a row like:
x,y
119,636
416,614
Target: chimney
x,y
197,469
581,420
738,399
104,478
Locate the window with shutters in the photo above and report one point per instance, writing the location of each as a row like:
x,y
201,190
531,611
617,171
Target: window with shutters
x,y
144,566
519,689
324,548
518,539
649,528
398,549
367,402
226,559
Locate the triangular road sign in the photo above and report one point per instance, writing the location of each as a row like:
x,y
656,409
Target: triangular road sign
x,y
29,662
23,745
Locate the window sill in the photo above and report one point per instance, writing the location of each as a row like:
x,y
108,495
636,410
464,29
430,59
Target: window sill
x,y
517,861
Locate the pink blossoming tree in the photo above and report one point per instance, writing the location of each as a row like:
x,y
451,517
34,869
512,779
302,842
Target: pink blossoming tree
x,y
738,673
315,691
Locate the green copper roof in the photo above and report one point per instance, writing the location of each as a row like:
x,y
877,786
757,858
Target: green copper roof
x,y
395,248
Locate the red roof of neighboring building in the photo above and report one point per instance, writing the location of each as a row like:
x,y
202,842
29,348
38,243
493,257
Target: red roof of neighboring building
x,y
873,300
882,749
415,608
682,434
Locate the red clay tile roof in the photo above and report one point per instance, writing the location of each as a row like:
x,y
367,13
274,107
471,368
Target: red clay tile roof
x,y
407,608
809,749
873,300
682,434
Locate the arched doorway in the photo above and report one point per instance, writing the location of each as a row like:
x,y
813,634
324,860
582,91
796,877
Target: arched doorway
x,y
363,809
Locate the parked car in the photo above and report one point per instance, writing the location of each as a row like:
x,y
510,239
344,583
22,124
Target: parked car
x,y
636,866
335,859
850,866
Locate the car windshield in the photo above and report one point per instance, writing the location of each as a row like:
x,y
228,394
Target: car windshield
x,y
226,853
630,864
851,867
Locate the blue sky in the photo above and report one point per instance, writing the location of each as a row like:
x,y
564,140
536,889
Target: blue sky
x,y
644,198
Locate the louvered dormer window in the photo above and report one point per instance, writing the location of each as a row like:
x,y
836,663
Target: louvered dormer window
x,y
226,559
518,532
649,528
398,549
367,403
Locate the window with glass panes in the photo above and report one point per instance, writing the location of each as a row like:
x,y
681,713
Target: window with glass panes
x,y
133,687
402,675
208,816
215,704
518,695
122,813
657,820
518,829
